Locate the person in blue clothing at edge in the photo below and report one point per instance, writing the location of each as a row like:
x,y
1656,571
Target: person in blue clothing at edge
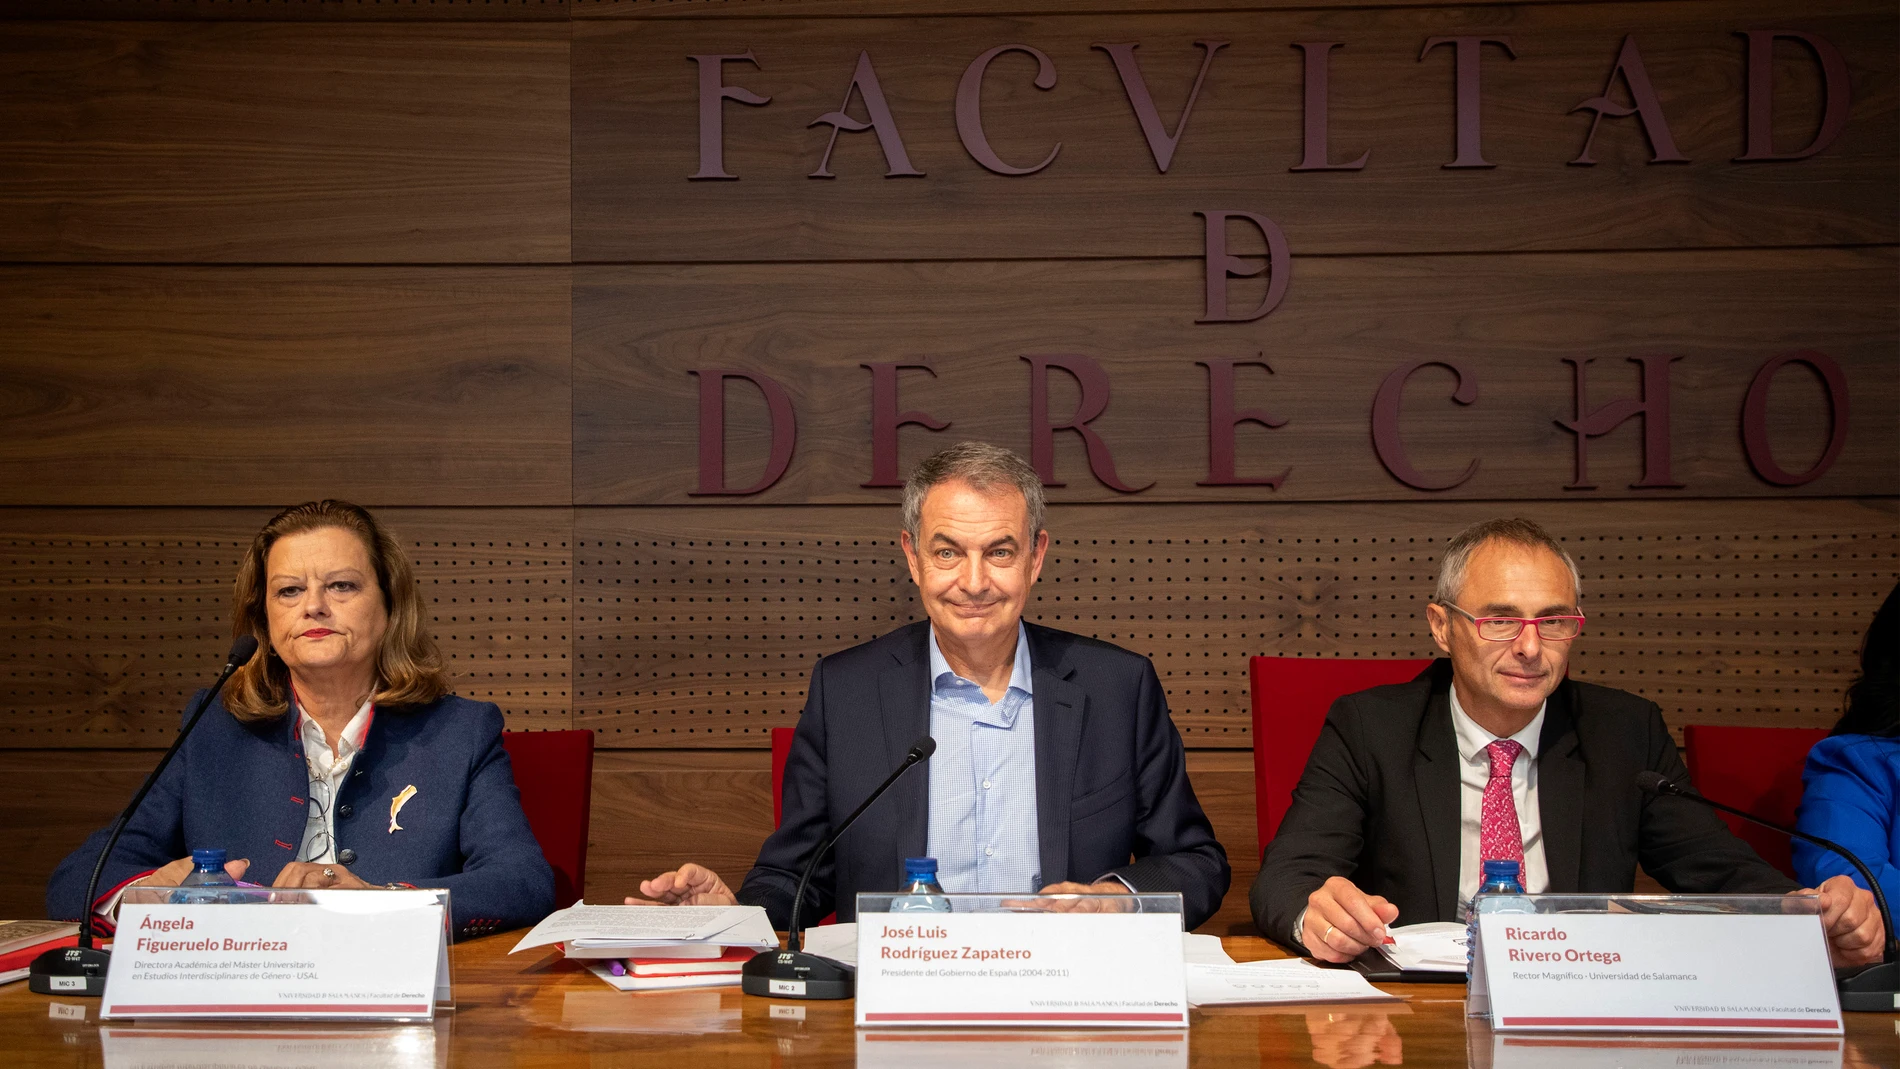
x,y
1851,786
337,757
1057,767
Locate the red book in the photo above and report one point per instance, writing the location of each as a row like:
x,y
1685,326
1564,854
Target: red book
x,y
20,959
732,961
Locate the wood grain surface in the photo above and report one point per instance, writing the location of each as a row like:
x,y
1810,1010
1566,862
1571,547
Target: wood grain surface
x,y
1346,324
268,386
636,135
537,1008
252,142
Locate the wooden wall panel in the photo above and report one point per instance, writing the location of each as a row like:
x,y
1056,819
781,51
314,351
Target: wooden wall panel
x,y
111,618
636,136
265,386
234,142
699,627
1345,325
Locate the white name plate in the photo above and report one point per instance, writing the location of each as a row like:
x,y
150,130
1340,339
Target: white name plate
x,y
1021,970
1680,972
328,955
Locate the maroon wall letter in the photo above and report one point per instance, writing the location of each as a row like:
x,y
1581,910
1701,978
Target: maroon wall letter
x,y
712,430
1466,54
1160,142
1653,407
1755,418
713,93
1314,127
864,82
1220,266
1761,94
1386,441
1647,108
970,109
1222,418
885,419
1042,433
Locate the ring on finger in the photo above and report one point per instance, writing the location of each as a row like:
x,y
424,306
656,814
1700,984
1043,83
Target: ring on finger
x,y
329,874
1328,937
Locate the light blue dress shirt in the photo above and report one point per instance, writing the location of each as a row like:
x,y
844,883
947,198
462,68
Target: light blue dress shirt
x,y
983,780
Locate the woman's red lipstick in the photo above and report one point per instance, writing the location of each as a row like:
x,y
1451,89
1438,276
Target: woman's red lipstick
x,y
318,632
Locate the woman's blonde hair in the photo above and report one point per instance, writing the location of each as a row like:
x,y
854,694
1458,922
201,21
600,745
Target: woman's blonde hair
x,y
408,666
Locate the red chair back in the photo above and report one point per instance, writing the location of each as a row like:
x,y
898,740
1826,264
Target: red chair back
x,y
1290,699
554,770
781,752
1757,769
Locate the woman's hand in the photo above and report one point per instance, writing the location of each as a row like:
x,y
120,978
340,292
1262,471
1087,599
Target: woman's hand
x,y
174,874
317,876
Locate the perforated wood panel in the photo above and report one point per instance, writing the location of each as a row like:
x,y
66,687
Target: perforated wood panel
x,y
110,619
698,627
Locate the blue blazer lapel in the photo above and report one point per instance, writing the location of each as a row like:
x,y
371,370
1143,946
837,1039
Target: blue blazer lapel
x,y
904,692
1061,709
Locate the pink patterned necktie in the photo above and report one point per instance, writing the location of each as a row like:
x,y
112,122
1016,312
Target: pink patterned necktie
x,y
1499,837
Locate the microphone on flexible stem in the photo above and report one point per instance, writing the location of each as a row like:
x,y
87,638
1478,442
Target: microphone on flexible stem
x,y
1873,989
81,970
791,973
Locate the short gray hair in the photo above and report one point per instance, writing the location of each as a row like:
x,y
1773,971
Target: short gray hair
x,y
985,467
1451,567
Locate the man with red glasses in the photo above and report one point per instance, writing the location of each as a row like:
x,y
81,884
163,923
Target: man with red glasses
x,y
1493,754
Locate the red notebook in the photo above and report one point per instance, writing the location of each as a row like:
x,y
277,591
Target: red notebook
x,y
20,959
732,961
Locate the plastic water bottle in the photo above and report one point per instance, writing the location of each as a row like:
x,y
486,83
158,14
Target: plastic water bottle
x,y
207,875
922,892
1501,891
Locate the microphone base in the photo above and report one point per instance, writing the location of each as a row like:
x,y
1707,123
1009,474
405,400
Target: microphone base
x,y
794,974
79,971
1875,989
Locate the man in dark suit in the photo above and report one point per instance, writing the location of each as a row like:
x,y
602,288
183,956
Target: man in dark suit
x,y
1495,754
1057,766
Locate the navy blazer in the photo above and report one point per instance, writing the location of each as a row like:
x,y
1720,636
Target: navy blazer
x,y
1111,778
244,786
1379,804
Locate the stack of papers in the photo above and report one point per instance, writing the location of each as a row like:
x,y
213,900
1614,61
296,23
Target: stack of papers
x,y
1283,980
1435,947
652,947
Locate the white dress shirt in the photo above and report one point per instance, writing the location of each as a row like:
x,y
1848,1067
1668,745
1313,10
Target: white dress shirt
x,y
982,825
1474,771
327,770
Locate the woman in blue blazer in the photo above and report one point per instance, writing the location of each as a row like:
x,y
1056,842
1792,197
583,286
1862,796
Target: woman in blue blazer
x,y
337,758
1851,786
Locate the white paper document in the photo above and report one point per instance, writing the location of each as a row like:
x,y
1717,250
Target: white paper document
x,y
1285,980
1438,946
632,927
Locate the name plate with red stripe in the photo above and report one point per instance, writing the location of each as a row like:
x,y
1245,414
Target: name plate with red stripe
x,y
1739,964
1031,962
225,952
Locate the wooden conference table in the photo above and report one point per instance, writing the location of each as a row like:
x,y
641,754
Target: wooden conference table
x,y
536,1009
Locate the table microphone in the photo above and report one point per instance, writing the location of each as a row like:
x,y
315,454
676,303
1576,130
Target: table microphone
x,y
1873,989
791,973
81,970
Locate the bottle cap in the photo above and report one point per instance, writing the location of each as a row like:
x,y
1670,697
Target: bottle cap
x,y
208,859
1502,869
920,866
